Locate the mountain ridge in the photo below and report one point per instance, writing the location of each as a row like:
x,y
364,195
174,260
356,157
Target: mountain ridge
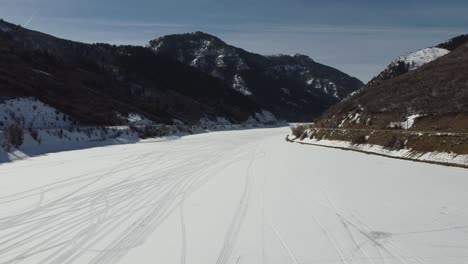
x,y
409,61
99,83
290,85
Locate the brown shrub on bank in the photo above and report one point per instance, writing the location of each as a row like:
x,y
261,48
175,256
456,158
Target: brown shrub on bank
x,y
151,131
298,131
394,143
14,137
360,139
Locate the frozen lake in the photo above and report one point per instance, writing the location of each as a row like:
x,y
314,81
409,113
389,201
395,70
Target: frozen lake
x,y
235,197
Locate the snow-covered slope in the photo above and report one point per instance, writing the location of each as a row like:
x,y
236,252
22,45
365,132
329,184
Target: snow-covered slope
x,y
46,130
258,119
408,62
418,58
139,120
234,197
28,112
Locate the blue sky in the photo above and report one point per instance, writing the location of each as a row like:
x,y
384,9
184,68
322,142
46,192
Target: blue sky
x,y
358,37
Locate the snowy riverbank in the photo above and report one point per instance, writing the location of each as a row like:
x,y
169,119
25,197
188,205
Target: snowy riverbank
x,y
433,157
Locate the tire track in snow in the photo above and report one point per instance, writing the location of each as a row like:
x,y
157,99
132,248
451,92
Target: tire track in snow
x,y
183,254
366,232
342,220
292,257
238,219
73,223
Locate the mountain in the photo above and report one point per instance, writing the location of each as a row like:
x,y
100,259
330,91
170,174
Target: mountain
x,y
295,88
429,91
101,84
454,43
413,60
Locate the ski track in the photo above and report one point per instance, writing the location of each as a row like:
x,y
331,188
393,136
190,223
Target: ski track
x,y
292,257
233,232
183,252
102,213
81,220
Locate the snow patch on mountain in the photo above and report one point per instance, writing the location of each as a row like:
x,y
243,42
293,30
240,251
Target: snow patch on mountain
x,y
205,121
42,72
240,85
407,123
259,118
139,120
28,112
220,61
304,74
417,59
325,85
265,117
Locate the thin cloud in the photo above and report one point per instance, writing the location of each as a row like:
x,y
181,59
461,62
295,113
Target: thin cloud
x,y
116,22
31,18
356,29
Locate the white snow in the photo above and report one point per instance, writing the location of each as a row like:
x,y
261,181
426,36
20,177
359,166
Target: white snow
x,y
441,157
58,140
258,119
245,197
240,86
220,61
421,57
405,124
218,121
351,118
42,72
137,119
28,112
325,85
264,117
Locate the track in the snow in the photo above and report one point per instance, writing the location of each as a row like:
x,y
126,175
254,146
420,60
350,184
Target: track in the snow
x,y
244,197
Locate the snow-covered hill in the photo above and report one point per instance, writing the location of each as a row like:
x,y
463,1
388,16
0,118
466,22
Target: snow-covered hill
x,y
418,58
28,112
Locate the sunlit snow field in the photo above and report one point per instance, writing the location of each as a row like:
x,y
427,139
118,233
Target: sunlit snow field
x,y
230,197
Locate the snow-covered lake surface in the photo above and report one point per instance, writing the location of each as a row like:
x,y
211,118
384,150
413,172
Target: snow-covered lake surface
x,y
233,197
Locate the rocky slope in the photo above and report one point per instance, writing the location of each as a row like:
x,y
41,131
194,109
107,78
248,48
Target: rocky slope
x,y
295,87
430,94
420,111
